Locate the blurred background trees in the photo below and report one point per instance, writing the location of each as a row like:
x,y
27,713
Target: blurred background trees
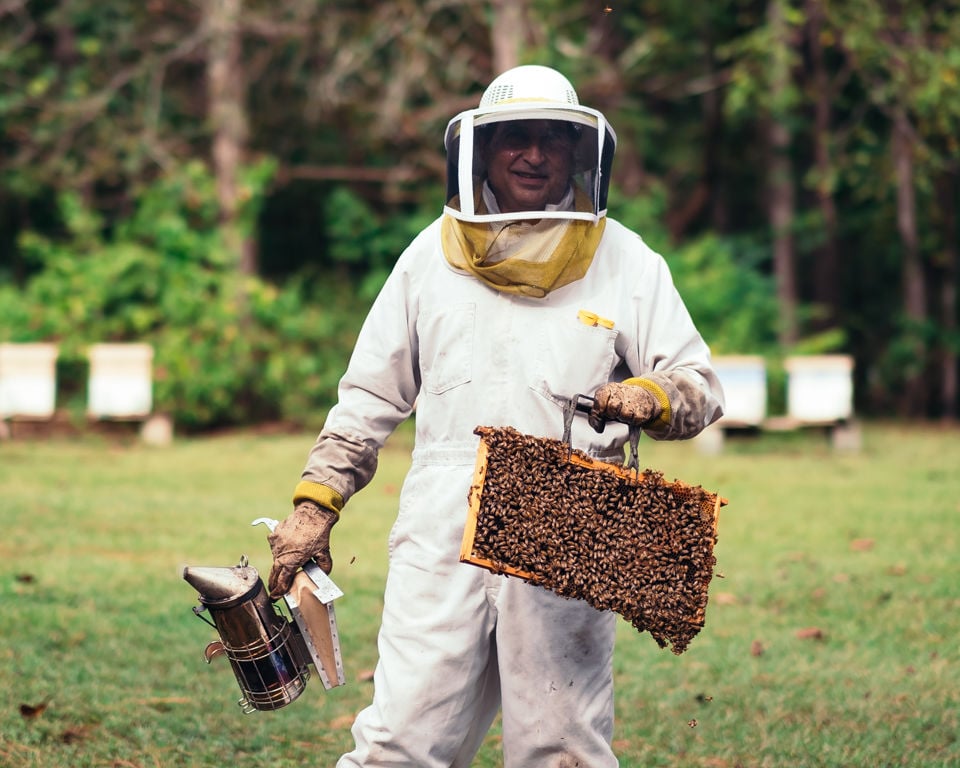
x,y
232,180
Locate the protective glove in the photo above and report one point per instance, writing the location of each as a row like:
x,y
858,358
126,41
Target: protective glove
x,y
628,403
303,535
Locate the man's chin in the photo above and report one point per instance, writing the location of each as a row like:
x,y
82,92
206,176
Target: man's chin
x,y
530,201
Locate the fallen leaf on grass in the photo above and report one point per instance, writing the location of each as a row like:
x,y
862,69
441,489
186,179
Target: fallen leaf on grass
x,y
692,723
756,648
25,578
31,711
862,545
725,598
76,734
164,703
341,723
810,633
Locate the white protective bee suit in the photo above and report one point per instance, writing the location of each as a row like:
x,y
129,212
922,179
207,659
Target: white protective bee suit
x,y
456,641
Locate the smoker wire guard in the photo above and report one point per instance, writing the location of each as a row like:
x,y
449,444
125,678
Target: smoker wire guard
x,y
708,502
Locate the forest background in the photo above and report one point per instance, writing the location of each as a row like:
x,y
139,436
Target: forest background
x,y
231,180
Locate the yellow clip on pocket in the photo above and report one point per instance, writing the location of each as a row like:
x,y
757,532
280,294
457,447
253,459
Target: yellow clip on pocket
x,y
593,319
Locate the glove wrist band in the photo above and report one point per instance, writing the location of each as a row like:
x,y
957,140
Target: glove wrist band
x,y
322,495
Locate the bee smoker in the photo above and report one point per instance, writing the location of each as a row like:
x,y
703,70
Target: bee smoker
x,y
269,654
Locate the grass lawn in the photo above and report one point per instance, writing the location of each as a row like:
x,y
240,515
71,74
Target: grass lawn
x,y
831,634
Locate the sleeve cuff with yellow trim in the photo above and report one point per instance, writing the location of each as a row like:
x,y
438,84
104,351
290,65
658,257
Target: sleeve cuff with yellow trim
x,y
663,420
323,495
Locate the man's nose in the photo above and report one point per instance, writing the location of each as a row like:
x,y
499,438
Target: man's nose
x,y
533,151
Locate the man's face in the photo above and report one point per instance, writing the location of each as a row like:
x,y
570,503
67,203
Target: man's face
x,y
529,163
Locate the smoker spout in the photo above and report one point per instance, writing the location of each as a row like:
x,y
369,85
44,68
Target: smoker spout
x,y
217,585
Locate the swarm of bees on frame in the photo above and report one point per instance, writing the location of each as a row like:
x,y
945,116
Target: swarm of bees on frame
x,y
628,542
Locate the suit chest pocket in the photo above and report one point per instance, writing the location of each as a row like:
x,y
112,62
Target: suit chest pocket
x,y
446,337
573,358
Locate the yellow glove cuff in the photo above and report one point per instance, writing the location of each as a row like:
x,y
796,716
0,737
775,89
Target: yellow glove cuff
x,y
661,396
323,495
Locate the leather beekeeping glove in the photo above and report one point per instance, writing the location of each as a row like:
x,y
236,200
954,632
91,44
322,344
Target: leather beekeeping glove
x,y
303,535
630,402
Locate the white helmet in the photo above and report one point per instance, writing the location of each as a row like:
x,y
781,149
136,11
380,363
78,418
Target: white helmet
x,y
529,92
530,82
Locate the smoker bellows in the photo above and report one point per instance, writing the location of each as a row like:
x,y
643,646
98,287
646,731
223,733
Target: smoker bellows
x,y
624,541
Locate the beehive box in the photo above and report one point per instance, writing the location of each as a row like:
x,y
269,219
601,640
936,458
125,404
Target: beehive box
x,y
624,541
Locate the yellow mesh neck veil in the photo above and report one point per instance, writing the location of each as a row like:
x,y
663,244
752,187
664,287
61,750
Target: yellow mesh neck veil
x,y
556,252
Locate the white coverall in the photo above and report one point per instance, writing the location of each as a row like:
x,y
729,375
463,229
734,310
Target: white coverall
x,y
456,641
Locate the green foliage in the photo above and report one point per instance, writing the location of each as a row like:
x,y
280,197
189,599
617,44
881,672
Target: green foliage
x,y
732,301
102,98
370,244
645,214
759,56
228,348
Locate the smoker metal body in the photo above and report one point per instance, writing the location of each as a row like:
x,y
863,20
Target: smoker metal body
x,y
260,644
269,655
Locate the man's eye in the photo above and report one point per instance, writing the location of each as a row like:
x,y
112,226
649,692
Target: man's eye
x,y
550,140
516,138
558,139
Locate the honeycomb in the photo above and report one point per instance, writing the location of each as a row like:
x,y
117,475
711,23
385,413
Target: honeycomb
x,y
624,541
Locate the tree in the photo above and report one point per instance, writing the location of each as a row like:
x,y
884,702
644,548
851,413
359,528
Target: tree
x,y
822,88
811,141
780,177
906,57
226,91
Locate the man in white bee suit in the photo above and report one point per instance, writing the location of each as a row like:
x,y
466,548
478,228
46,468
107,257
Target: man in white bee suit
x,y
520,296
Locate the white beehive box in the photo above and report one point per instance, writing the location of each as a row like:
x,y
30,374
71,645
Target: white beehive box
x,y
744,381
28,380
819,388
121,381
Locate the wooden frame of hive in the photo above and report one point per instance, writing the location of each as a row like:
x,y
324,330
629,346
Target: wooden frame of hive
x,y
574,463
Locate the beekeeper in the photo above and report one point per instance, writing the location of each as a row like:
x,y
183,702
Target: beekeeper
x,y
520,296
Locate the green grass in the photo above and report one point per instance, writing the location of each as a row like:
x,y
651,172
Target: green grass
x,y
863,548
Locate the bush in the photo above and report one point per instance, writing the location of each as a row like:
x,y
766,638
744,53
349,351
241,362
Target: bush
x,y
232,349
721,279
229,349
732,302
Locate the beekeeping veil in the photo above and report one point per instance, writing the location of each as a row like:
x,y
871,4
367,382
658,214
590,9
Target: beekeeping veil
x,y
528,93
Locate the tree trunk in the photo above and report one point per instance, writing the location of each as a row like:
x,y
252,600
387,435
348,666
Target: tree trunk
x,y
780,177
950,268
228,120
607,90
914,291
507,33
705,197
713,139
826,273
